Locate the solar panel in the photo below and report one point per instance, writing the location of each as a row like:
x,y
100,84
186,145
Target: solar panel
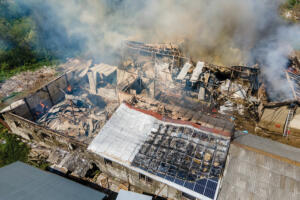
x,y
211,185
209,193
185,156
199,188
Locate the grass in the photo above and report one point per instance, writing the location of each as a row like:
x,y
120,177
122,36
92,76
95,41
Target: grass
x,y
11,148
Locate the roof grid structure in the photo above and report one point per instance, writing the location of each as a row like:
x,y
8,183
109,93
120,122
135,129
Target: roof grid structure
x,y
185,157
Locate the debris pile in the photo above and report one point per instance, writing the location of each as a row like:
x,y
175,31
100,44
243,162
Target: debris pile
x,y
26,81
88,102
80,115
239,92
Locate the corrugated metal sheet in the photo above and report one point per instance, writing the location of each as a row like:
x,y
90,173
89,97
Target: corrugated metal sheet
x,y
114,140
184,71
197,71
104,69
19,181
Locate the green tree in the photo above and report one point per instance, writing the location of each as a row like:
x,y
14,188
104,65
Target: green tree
x,y
292,3
11,148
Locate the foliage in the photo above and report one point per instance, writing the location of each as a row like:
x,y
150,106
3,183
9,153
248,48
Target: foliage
x,y
11,148
292,3
30,38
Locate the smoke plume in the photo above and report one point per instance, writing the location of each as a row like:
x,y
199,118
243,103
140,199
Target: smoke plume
x,y
228,32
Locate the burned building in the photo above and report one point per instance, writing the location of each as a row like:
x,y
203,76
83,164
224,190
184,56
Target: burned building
x,y
68,113
65,111
157,123
164,73
280,113
171,155
239,92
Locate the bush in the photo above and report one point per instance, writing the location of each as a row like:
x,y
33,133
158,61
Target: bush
x,y
11,148
292,3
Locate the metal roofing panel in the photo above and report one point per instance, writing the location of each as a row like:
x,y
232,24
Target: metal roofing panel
x,y
126,195
104,69
20,181
114,140
184,71
197,71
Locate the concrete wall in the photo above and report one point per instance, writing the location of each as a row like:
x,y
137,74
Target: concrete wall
x,y
44,136
126,176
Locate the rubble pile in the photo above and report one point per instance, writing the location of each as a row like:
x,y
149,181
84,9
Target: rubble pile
x,y
235,92
181,81
26,81
80,115
175,112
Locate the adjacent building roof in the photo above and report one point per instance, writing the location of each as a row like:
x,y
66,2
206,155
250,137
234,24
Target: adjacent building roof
x,y
20,181
269,146
253,175
127,195
177,153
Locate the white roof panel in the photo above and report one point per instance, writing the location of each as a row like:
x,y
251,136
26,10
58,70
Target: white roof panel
x,y
114,140
197,71
184,71
104,69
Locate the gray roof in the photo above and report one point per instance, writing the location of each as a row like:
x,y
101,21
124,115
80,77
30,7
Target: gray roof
x,y
20,181
269,146
252,175
126,195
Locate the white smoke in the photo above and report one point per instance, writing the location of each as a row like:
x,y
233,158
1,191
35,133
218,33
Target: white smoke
x,y
228,32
